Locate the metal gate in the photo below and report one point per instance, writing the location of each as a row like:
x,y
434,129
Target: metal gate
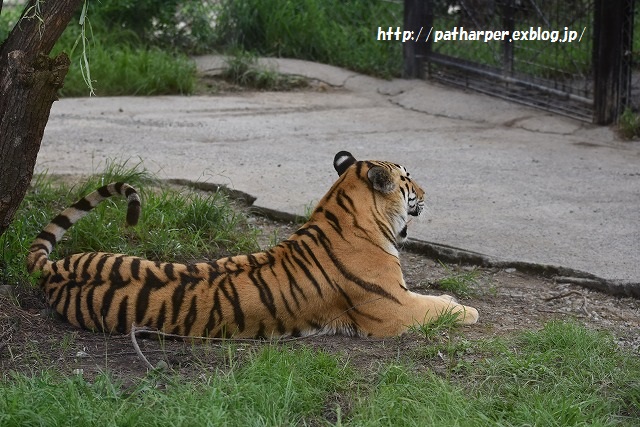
x,y
571,57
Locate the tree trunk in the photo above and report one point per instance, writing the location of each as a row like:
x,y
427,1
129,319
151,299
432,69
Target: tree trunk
x,y
29,83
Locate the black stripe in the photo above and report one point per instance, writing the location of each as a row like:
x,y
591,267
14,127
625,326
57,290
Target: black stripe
x,y
162,316
93,314
302,264
213,272
286,304
333,220
62,221
344,197
104,191
304,231
318,264
114,282
192,315
234,299
368,286
135,269
123,325
255,275
56,293
66,294
142,304
351,210
190,279
49,237
73,270
386,231
35,247
115,277
97,277
177,297
294,245
86,268
79,312
133,212
151,282
82,205
215,310
168,271
293,285
129,191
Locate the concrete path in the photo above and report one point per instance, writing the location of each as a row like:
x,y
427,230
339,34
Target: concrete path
x,y
507,184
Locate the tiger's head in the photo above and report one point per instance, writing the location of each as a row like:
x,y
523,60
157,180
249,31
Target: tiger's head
x,y
386,187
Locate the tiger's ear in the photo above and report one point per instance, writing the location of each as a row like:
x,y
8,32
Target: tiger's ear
x,y
342,161
381,179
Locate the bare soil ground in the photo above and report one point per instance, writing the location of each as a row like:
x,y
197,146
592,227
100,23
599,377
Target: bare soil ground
x,y
31,340
508,301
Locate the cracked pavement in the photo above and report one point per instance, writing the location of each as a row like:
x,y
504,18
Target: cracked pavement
x,y
505,183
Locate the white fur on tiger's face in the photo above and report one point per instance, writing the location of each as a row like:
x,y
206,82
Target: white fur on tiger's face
x,y
338,273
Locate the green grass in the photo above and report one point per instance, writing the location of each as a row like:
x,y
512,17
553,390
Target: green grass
x,y
242,68
174,225
629,124
443,324
274,387
562,375
461,282
120,64
126,70
119,61
329,31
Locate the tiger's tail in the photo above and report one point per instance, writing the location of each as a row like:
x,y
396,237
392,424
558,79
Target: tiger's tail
x,y
51,234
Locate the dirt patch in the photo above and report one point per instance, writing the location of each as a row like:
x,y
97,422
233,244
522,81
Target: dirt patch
x,y
508,301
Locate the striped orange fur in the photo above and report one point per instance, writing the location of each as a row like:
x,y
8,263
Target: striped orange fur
x,y
339,273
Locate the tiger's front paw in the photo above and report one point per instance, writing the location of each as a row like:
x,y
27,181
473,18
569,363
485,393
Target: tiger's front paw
x,y
466,315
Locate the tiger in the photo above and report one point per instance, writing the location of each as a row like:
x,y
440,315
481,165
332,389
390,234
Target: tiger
x,y
339,273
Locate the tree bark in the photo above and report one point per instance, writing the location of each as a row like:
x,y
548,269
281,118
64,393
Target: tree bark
x,y
29,83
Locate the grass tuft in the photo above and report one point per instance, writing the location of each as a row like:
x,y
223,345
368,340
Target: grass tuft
x,y
460,283
174,225
444,323
629,124
242,68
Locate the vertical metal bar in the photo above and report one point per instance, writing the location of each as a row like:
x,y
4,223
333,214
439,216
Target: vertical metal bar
x,y
509,25
608,54
414,50
627,52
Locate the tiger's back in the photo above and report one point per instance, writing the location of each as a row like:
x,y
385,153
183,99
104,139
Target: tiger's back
x,y
339,273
